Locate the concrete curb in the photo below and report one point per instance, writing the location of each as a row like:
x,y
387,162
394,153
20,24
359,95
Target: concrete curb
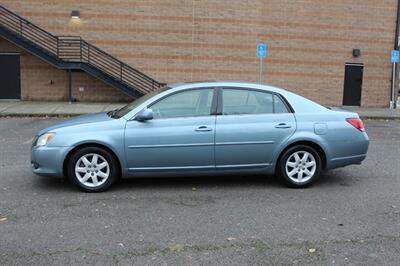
x,y
38,115
379,118
66,115
64,109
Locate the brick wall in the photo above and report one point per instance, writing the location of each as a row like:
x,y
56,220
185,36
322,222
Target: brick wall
x,y
309,42
41,81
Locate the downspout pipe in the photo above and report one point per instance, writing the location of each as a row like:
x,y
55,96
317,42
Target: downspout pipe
x,y
396,40
396,47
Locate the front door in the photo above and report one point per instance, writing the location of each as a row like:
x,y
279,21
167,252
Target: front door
x,y
9,77
252,125
179,137
353,84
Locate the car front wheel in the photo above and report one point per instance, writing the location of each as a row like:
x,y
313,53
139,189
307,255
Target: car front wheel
x,y
93,169
300,166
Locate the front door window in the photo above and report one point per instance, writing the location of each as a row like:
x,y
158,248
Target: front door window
x,y
184,104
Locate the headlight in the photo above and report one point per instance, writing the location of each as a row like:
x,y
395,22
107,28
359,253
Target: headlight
x,y
44,139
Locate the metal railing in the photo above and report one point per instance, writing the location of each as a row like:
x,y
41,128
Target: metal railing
x,y
75,49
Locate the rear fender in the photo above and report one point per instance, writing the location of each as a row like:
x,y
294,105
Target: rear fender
x,y
302,136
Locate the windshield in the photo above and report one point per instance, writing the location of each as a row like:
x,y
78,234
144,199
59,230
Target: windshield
x,y
129,107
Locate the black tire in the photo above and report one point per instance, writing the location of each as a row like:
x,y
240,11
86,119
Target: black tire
x,y
113,169
289,154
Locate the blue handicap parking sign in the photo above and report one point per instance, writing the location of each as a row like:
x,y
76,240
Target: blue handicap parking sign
x,y
261,50
395,56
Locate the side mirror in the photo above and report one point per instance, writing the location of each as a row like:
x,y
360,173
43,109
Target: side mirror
x,y
144,115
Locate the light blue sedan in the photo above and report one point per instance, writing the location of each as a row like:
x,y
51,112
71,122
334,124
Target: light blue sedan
x,y
203,128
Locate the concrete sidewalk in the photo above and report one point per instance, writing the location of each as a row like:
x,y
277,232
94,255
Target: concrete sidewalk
x,y
31,108
374,113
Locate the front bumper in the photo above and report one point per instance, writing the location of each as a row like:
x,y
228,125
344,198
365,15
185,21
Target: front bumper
x,y
48,161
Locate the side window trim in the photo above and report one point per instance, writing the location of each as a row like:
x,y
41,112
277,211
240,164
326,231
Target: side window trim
x,y
219,101
219,91
213,101
273,103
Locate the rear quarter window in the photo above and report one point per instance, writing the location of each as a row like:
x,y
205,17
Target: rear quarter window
x,y
279,105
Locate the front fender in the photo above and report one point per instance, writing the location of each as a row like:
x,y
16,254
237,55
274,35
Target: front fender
x,y
109,134
95,142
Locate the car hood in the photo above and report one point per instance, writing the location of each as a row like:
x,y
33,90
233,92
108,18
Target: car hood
x,y
78,120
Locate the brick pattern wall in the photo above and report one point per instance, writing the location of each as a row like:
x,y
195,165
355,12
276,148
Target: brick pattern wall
x,y
41,81
309,42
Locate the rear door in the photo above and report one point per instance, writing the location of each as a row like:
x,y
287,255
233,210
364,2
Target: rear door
x,y
250,126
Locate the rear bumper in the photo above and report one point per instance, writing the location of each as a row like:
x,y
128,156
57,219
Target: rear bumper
x,y
48,161
353,152
343,161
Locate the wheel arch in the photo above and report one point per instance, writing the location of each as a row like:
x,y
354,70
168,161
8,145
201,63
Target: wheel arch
x,y
91,144
321,152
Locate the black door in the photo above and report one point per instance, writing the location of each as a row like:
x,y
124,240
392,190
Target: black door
x,y
9,77
352,85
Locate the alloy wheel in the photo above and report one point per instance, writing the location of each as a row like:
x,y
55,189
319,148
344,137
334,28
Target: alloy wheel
x,y
92,170
300,166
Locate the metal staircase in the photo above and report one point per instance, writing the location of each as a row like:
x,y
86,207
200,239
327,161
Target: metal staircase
x,y
74,53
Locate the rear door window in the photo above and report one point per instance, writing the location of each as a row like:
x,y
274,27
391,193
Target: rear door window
x,y
245,101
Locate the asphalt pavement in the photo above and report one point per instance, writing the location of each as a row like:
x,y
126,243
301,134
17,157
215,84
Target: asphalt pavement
x,y
351,216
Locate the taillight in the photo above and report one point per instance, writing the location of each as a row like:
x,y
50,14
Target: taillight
x,y
357,123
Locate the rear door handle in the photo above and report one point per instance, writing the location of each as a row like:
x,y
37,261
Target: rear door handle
x,y
282,125
203,128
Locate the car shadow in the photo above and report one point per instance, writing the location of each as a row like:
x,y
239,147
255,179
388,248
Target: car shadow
x,y
45,183
196,182
337,177
164,183
327,179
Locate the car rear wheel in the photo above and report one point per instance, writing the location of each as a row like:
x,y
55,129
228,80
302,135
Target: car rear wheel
x,y
93,169
300,166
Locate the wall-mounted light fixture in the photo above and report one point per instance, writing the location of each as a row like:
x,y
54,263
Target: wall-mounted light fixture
x,y
75,14
356,52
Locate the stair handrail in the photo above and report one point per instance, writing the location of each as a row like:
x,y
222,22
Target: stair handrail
x,y
20,21
106,62
26,21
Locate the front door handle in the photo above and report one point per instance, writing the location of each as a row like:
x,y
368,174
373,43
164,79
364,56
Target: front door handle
x,y
203,128
282,125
